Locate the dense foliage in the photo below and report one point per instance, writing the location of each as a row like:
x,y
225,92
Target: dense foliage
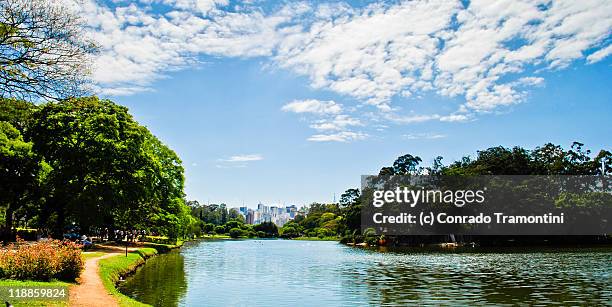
x,y
87,162
344,219
44,260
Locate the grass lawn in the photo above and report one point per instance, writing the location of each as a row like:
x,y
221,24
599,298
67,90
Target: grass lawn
x,y
112,268
29,283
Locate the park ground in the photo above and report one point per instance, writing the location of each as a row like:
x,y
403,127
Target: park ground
x,y
104,266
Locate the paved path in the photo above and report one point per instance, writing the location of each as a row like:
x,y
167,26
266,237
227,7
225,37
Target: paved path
x,y
90,291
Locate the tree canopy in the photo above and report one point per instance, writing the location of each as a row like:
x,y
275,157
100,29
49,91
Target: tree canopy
x,y
102,168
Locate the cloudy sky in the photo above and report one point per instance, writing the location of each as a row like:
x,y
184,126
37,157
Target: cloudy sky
x,y
290,102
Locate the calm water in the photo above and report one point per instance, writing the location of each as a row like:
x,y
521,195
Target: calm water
x,y
313,273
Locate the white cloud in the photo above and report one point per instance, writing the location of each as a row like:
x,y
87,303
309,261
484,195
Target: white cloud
x,y
312,106
139,46
427,136
410,119
338,122
455,118
599,54
243,158
485,52
343,136
326,116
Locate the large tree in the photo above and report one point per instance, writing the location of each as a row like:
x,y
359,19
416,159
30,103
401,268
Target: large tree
x,y
44,52
106,168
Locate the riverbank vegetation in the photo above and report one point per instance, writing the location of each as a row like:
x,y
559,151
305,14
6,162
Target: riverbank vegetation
x,y
112,269
342,220
549,159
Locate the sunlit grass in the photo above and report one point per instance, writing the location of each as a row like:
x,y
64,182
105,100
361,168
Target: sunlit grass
x,y
113,267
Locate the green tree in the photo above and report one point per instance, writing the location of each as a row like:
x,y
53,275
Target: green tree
x,y
233,214
19,172
219,229
17,113
289,231
268,228
235,233
106,168
349,196
406,164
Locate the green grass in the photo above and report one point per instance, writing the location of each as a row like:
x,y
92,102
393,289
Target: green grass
x,y
88,255
316,239
29,283
114,267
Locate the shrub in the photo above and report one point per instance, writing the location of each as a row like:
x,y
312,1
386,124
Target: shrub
x,y
235,232
71,262
323,232
289,232
159,240
41,261
220,230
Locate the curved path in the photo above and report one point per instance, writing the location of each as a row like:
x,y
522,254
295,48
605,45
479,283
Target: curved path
x,y
90,291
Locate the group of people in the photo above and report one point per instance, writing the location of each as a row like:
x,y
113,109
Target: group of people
x,y
132,235
105,234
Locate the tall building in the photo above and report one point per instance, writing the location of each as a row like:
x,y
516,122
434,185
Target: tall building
x,y
250,216
278,215
244,211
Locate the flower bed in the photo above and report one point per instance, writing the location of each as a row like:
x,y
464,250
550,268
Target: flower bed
x,y
44,261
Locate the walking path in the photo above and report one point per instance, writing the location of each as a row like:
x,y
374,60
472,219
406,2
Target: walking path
x,y
90,291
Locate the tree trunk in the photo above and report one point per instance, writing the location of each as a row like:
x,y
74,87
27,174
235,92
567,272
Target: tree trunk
x,y
9,223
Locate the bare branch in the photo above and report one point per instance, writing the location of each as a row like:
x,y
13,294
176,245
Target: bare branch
x,y
43,51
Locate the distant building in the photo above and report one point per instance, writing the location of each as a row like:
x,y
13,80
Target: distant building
x,y
278,215
243,211
250,216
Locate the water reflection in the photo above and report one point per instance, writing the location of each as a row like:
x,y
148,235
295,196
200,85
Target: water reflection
x,y
298,273
160,282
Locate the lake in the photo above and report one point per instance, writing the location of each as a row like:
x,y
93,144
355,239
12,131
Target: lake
x,y
324,273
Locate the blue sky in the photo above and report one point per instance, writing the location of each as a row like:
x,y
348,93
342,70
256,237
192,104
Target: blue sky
x,y
291,102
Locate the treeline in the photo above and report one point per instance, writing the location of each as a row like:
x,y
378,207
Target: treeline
x,y
86,162
216,219
214,214
344,219
326,220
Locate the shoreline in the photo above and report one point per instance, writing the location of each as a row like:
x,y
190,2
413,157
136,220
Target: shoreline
x,y
115,269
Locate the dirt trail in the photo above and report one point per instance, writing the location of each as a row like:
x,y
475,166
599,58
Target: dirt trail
x,y
90,291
